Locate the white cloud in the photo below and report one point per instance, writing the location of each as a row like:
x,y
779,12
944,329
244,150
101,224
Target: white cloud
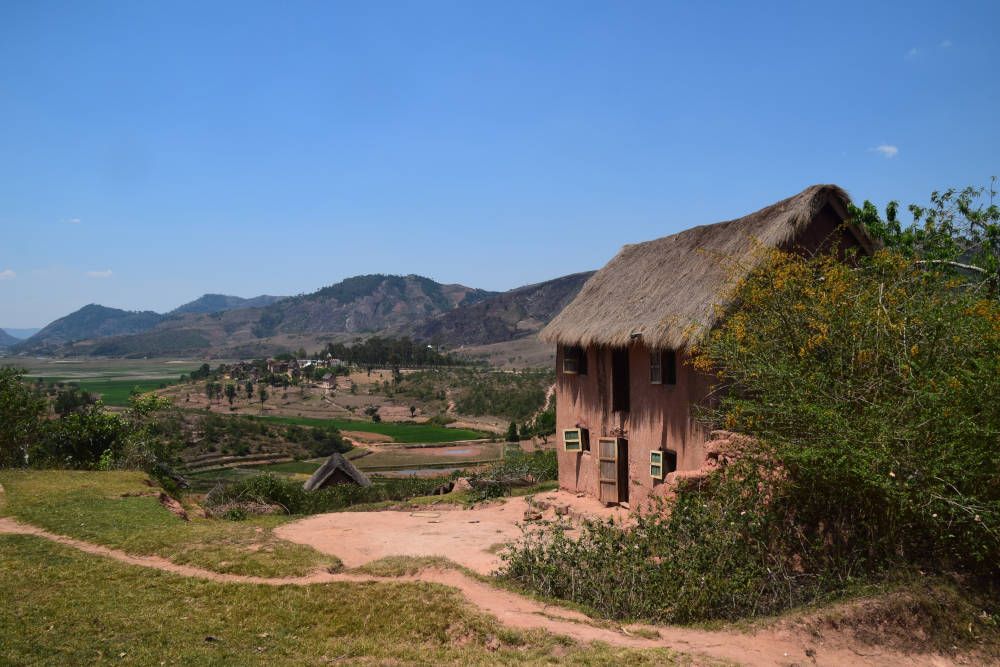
x,y
888,151
946,44
99,274
7,274
74,221
912,53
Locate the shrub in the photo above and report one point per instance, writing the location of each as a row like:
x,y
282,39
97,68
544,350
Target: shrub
x,y
869,386
868,391
516,469
271,490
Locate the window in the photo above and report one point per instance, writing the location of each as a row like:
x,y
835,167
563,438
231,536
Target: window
x,y
656,464
663,367
574,360
576,440
619,380
661,463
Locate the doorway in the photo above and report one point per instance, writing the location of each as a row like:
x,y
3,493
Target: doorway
x,y
612,461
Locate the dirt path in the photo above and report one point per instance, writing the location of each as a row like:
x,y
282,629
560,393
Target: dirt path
x,y
516,611
549,395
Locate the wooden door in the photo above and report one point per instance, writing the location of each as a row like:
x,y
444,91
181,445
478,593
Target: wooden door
x,y
612,461
607,461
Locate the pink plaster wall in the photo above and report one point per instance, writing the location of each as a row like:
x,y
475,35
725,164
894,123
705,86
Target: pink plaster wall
x,y
660,417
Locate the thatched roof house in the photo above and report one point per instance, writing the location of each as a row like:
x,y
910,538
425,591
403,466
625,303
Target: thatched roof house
x,y
624,386
669,290
336,470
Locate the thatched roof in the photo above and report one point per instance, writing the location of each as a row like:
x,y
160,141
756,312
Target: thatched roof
x,y
336,470
671,290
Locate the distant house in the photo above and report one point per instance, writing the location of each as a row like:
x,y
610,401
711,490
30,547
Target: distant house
x,y
336,470
624,393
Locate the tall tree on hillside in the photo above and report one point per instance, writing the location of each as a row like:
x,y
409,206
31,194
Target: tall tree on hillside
x,y
231,393
249,388
958,231
262,394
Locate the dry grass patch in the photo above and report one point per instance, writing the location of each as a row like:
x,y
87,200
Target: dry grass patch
x,y
120,510
65,607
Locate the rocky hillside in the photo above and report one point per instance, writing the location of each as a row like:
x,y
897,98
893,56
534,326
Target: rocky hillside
x,y
365,304
410,305
514,314
217,303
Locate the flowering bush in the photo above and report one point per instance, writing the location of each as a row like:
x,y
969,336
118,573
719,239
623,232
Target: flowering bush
x,y
871,390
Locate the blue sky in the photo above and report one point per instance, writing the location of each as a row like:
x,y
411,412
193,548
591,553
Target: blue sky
x,y
151,152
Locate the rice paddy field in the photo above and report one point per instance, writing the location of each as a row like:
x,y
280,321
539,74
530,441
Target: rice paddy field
x,y
113,379
402,432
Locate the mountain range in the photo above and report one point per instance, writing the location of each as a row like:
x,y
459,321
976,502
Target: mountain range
x,y
232,327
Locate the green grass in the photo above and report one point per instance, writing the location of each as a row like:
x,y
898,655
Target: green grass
x,y
293,467
117,392
65,607
119,510
399,432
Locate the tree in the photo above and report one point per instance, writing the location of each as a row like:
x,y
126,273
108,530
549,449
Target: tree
x,y
72,399
512,435
545,423
958,230
413,411
263,397
22,412
249,388
231,393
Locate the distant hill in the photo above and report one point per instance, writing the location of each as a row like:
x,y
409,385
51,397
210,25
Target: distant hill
x,y
358,305
21,334
92,321
365,304
217,303
520,312
6,340
410,305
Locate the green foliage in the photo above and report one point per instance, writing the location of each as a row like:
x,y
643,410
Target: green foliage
x,y
516,469
512,434
293,499
868,386
958,231
515,395
80,438
22,412
71,399
378,351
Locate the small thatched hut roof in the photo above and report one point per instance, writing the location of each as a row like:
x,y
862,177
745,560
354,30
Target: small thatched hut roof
x,y
672,290
336,470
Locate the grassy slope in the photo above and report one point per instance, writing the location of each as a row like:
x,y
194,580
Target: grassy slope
x,y
92,506
399,432
65,607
